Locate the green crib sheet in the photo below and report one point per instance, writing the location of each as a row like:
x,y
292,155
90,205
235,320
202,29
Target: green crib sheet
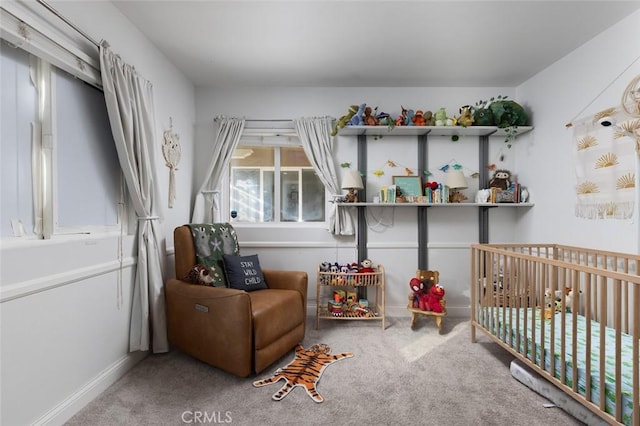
x,y
514,321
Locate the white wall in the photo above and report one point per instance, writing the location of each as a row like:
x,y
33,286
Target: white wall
x,y
545,159
65,303
450,231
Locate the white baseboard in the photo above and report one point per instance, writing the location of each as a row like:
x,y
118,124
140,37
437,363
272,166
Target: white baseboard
x,y
70,406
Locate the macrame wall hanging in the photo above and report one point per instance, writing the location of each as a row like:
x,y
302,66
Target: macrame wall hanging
x,y
605,166
172,153
606,146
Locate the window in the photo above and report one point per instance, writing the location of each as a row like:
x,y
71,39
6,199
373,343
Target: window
x,y
19,103
274,184
60,170
88,169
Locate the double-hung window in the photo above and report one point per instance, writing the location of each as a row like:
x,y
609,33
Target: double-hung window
x,y
273,182
60,170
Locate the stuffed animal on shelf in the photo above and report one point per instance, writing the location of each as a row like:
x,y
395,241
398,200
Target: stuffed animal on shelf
x,y
358,117
501,179
418,119
508,113
435,295
429,119
441,117
334,269
466,117
344,120
384,119
369,117
408,119
402,118
483,196
351,196
366,267
324,267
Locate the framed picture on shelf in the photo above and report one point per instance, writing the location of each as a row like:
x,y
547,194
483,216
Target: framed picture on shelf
x,y
505,195
410,186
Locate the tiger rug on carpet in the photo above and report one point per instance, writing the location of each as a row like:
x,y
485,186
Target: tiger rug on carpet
x,y
305,370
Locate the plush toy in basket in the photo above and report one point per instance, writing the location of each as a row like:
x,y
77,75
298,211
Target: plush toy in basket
x,y
366,267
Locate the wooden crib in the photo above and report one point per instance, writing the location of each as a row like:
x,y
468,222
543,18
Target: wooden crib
x,y
520,299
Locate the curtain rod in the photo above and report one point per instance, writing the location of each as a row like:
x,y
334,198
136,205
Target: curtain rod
x,y
268,119
68,22
272,120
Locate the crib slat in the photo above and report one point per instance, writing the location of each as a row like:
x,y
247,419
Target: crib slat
x,y
587,316
574,331
625,297
503,294
474,287
617,321
636,352
563,344
543,278
603,316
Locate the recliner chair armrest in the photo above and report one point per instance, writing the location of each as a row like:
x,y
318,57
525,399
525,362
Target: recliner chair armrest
x,y
202,320
288,280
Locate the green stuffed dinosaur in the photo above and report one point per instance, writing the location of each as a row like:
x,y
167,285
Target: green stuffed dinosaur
x,y
342,121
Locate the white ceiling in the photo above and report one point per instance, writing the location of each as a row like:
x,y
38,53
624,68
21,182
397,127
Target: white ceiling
x,y
369,43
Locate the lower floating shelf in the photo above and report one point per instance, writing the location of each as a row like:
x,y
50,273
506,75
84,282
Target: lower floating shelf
x,y
374,315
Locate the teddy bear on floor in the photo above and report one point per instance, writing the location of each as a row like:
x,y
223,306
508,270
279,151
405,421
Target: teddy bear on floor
x,y
428,278
435,295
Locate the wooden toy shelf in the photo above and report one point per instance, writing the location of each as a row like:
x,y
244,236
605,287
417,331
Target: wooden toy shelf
x,y
329,282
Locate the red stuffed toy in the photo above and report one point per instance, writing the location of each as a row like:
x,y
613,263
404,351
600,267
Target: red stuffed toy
x,y
367,267
419,296
435,295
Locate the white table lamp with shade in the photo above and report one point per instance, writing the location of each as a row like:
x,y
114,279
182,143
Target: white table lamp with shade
x,y
352,181
456,181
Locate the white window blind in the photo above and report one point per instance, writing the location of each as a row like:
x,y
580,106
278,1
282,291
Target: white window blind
x,y
88,171
35,29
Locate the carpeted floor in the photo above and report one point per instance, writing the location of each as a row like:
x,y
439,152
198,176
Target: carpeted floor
x,y
398,376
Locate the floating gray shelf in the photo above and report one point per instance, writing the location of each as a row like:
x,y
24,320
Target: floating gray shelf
x,y
422,133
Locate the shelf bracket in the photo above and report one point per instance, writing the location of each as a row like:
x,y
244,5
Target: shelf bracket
x,y
362,220
483,213
423,228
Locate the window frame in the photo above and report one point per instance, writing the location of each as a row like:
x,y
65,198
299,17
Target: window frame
x,y
276,142
45,168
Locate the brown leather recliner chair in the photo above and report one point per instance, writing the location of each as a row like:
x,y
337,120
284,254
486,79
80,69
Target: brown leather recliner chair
x,y
234,330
